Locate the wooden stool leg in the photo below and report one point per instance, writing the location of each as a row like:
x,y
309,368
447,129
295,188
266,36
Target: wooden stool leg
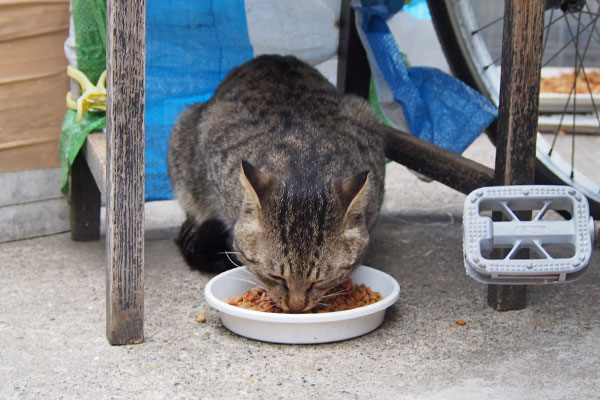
x,y
518,114
85,202
354,73
125,40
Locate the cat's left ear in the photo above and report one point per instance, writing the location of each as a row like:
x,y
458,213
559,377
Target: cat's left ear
x,y
258,184
353,191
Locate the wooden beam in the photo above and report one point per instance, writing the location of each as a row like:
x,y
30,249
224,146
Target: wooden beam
x,y
94,151
444,166
354,73
88,182
125,42
84,202
518,114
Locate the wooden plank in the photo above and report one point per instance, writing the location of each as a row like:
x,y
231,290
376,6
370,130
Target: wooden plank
x,y
94,151
518,114
444,166
125,42
34,154
85,202
32,109
32,19
354,73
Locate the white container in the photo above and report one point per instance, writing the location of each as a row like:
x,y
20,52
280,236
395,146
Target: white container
x,y
300,328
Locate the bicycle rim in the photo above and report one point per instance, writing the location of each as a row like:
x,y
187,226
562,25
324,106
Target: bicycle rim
x,y
470,32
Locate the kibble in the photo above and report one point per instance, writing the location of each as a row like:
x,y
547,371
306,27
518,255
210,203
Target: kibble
x,y
201,318
350,296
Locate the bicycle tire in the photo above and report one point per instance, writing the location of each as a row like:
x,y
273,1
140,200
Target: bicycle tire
x,y
458,49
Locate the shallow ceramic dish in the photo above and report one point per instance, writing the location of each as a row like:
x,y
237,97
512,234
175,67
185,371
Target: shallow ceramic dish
x,y
300,328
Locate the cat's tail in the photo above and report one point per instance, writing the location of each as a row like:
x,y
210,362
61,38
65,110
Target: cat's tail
x,y
204,246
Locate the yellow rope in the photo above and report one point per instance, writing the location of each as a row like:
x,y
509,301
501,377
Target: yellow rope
x,y
93,97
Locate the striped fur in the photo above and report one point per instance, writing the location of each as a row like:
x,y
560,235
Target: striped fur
x,y
292,170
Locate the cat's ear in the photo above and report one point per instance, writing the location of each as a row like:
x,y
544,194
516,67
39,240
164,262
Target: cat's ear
x,y
352,191
258,184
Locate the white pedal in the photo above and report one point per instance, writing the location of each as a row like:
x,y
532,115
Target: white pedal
x,y
499,247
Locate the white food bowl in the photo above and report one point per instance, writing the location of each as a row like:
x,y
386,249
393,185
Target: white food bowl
x,y
300,328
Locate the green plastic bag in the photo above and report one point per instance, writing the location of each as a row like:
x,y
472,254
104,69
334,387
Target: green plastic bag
x,y
89,18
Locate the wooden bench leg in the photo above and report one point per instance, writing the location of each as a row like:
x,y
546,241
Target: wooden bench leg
x,y
85,202
125,40
518,114
354,73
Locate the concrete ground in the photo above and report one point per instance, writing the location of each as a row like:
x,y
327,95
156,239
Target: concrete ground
x,y
53,345
52,317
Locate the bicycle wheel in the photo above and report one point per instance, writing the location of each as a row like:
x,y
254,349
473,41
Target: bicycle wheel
x,y
470,32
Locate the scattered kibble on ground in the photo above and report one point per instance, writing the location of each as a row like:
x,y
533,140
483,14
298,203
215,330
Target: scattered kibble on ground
x,y
201,318
461,322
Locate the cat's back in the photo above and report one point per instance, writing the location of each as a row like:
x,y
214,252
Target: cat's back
x,y
273,81
281,115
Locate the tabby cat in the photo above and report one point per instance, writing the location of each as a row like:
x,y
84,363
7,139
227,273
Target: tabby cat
x,y
284,171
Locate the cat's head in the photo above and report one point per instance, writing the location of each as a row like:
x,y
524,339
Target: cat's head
x,y
298,237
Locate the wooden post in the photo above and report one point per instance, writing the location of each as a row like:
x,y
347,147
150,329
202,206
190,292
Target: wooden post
x,y
125,50
354,73
518,114
85,202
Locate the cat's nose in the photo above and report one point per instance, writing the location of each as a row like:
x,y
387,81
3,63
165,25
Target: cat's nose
x,y
296,302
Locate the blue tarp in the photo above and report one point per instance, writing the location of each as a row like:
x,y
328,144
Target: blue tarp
x,y
436,106
190,47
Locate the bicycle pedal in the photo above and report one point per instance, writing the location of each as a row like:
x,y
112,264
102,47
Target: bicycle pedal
x,y
527,234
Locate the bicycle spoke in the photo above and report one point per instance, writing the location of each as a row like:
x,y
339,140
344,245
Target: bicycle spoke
x,y
572,44
587,12
596,14
494,62
589,88
572,92
587,81
552,22
547,29
567,44
576,74
489,24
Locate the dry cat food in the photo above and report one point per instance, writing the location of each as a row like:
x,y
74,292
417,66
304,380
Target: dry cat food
x,y
564,83
343,297
201,318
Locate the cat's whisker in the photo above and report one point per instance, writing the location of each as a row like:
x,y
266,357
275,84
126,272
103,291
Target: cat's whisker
x,y
250,274
230,259
250,281
335,294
